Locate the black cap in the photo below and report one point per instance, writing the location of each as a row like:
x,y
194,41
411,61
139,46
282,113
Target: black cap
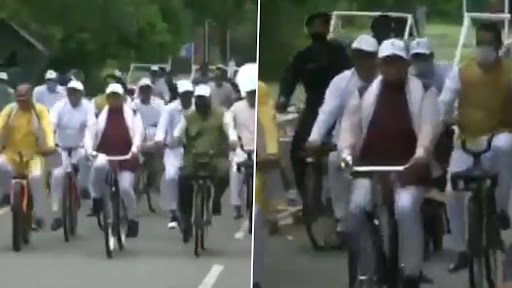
x,y
323,16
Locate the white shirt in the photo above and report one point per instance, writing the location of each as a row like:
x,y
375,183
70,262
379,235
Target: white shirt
x,y
448,98
244,119
161,90
70,123
150,114
169,120
46,98
341,88
228,125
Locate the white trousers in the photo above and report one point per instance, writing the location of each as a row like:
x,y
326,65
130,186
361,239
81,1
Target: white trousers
x,y
408,202
236,179
173,160
126,179
57,179
498,159
338,185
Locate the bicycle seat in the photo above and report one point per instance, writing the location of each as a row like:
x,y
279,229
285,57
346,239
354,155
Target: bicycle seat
x,y
471,178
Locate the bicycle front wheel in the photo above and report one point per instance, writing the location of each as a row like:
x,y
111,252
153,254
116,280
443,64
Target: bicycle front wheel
x,y
313,207
17,217
107,226
66,208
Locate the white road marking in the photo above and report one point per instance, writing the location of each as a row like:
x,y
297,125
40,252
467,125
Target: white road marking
x,y
4,210
212,276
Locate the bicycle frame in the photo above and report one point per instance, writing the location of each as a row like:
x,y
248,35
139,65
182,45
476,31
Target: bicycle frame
x,y
70,202
375,233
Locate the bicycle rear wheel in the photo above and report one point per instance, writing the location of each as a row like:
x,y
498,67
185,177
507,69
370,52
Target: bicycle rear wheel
x,y
17,216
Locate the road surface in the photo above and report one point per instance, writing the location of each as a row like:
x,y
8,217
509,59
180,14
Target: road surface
x,y
290,263
157,259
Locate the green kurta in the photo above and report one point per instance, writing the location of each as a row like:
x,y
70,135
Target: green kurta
x,y
203,136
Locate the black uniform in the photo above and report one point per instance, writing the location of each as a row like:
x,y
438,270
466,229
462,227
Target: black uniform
x,y
314,66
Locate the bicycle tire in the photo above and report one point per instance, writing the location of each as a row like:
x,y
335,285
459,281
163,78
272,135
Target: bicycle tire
x,y
198,219
106,225
123,225
393,260
312,206
250,200
74,207
17,217
115,200
65,208
203,226
27,231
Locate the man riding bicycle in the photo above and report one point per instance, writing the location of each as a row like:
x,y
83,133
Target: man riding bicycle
x,y
476,115
70,118
149,108
173,157
25,128
341,88
315,66
393,123
119,131
207,129
243,113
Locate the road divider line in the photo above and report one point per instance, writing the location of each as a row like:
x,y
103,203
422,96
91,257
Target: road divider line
x,y
212,276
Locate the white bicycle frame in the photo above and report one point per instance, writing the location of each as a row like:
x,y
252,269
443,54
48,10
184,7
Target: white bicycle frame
x,y
411,26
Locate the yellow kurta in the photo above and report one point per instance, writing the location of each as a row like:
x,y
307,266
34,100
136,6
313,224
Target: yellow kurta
x,y
485,100
20,135
267,138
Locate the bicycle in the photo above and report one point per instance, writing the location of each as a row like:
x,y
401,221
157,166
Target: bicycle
x,y
143,187
484,244
203,187
71,200
247,168
113,219
317,212
21,206
375,268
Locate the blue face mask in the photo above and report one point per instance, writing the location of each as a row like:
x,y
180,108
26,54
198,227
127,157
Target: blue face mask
x,y
51,86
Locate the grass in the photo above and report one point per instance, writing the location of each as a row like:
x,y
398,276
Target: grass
x,y
443,37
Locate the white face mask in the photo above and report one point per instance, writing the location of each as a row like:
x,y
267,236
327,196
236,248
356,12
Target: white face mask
x,y
486,54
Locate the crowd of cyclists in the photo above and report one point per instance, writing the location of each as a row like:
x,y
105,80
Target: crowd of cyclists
x,y
160,125
385,102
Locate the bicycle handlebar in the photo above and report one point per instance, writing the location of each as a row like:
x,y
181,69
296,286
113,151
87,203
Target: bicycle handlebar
x,y
463,144
377,169
118,158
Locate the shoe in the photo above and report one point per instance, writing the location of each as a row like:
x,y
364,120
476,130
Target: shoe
x,y
56,224
238,213
173,221
410,282
503,220
84,193
97,207
216,206
461,263
187,229
425,279
38,224
133,229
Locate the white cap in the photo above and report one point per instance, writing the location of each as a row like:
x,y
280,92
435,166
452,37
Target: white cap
x,y
154,68
393,47
366,43
184,86
4,76
420,46
202,90
74,84
247,78
114,88
50,75
144,82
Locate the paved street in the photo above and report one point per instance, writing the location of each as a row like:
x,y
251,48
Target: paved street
x,y
157,259
290,263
